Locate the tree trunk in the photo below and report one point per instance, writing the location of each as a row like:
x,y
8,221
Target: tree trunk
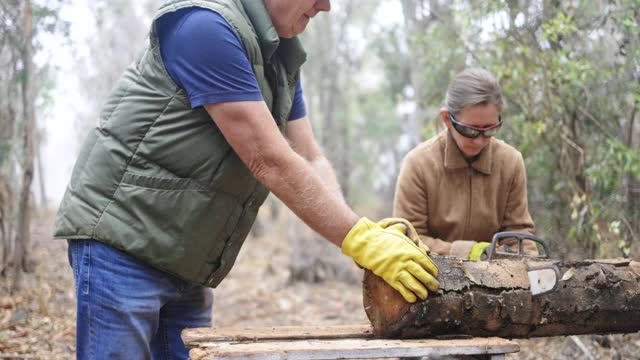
x,y
5,234
40,169
415,24
22,231
631,182
493,298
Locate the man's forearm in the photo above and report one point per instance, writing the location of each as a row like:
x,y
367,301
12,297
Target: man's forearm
x,y
251,132
315,200
323,168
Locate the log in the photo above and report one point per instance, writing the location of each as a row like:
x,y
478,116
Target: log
x,y
493,298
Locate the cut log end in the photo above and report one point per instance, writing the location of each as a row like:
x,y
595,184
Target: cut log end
x,y
383,304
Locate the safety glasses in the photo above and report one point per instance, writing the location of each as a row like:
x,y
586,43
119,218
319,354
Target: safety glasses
x,y
471,132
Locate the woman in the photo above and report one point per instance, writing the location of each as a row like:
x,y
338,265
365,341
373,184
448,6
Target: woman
x,y
463,185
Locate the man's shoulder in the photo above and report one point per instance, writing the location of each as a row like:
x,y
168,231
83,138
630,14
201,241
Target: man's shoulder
x,y
193,22
199,18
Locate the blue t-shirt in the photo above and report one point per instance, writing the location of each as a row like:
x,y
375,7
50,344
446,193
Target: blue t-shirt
x,y
205,57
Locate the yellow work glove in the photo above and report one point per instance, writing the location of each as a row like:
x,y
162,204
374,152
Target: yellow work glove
x,y
404,226
478,250
392,256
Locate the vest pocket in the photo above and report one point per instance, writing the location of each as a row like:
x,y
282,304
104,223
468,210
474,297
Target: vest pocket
x,y
238,229
160,183
166,222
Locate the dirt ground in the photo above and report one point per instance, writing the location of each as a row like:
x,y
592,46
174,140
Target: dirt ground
x,y
39,321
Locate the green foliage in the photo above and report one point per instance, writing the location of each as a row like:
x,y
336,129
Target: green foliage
x,y
569,77
611,162
558,27
46,17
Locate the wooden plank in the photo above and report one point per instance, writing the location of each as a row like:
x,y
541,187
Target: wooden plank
x,y
198,335
350,349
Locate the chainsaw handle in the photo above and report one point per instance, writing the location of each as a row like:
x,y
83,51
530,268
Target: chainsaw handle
x,y
520,236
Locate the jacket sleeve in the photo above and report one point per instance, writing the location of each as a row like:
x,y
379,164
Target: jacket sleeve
x,y
516,215
411,199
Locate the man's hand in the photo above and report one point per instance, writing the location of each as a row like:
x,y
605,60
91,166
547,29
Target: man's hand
x,y
404,226
392,256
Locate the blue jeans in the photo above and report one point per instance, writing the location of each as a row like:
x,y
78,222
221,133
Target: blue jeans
x,y
128,310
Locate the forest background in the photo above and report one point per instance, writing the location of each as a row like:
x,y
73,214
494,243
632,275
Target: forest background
x,y
375,78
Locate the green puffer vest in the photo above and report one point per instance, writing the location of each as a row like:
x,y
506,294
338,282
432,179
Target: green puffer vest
x,y
157,179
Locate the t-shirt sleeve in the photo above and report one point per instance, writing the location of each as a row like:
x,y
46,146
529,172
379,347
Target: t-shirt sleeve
x,y
299,107
204,56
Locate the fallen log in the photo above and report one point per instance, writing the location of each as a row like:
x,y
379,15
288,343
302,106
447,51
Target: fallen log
x,y
494,298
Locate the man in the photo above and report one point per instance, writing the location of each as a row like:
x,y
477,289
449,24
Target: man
x,y
162,196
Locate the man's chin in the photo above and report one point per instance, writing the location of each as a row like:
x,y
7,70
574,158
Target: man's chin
x,y
300,26
292,33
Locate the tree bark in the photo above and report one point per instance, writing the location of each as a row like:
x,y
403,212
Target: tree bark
x,y
5,234
415,22
40,169
493,298
631,182
22,232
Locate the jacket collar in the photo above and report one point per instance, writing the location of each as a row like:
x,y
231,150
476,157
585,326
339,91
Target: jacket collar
x,y
291,50
292,54
454,159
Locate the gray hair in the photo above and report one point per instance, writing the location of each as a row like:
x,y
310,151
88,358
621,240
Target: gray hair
x,y
473,86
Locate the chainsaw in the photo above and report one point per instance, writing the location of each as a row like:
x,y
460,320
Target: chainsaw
x,y
543,274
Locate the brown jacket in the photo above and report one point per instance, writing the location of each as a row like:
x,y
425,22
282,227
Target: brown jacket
x,y
452,204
